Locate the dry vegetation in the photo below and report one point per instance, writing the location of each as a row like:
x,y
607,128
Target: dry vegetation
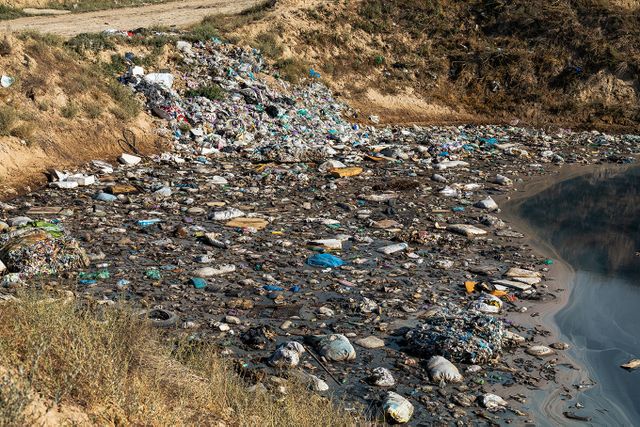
x,y
65,363
568,62
63,108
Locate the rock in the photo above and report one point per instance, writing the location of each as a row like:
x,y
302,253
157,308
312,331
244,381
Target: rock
x,y
539,350
441,369
466,230
335,347
326,311
396,408
129,159
233,320
218,271
503,180
513,337
391,249
463,400
316,384
3,268
559,346
488,204
381,377
370,342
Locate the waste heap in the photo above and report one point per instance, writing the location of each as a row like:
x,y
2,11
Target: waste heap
x,y
303,244
458,335
39,247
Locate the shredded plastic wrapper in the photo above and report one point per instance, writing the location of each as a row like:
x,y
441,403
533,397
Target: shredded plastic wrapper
x,y
458,335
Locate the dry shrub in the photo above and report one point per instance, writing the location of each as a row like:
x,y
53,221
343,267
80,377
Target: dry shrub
x,y
8,118
119,370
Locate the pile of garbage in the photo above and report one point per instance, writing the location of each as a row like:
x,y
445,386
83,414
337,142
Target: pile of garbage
x,y
39,247
284,124
458,335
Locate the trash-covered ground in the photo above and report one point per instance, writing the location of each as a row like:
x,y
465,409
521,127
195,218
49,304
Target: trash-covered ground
x,y
370,261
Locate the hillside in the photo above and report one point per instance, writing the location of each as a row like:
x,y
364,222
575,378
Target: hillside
x,y
567,62
60,109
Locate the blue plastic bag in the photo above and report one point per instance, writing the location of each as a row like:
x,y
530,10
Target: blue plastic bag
x,y
324,260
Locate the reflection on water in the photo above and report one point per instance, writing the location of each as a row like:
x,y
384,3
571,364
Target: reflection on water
x,y
593,222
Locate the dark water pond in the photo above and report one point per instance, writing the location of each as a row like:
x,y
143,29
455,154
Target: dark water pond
x,y
593,222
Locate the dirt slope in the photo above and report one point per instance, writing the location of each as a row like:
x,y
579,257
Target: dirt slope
x,y
173,14
61,111
561,62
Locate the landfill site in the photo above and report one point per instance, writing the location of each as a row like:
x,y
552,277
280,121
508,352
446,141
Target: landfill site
x,y
319,252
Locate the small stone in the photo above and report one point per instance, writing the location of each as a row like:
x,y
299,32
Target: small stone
x,y
232,320
559,346
370,342
503,180
539,350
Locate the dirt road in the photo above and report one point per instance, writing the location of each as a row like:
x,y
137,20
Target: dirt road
x,y
178,14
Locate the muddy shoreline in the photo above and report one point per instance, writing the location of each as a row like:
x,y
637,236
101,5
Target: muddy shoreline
x,y
561,274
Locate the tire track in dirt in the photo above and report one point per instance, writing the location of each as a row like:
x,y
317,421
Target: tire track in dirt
x,y
171,14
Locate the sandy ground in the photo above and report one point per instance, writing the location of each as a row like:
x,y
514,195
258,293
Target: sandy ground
x,y
173,14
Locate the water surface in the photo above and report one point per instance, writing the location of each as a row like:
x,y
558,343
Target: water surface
x,y
593,222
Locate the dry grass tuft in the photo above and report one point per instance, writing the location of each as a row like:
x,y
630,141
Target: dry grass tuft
x,y
119,370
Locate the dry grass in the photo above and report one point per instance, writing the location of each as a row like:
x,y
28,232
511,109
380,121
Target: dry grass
x,y
118,370
8,118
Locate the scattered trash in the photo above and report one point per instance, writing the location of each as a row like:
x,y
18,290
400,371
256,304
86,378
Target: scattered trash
x,y
324,260
493,402
335,347
287,355
632,364
441,369
396,408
